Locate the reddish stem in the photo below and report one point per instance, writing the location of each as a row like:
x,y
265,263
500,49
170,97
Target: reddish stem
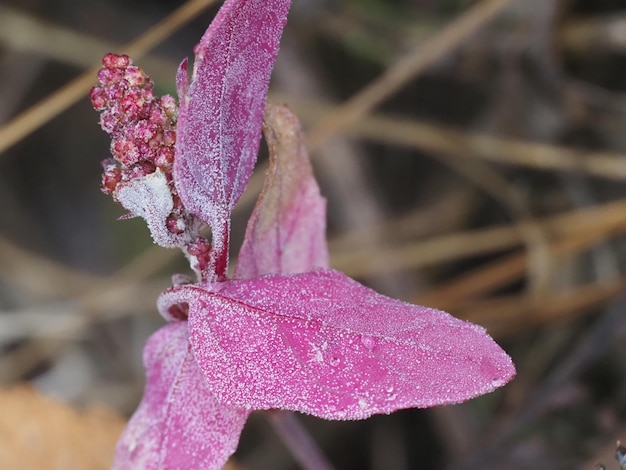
x,y
218,265
298,440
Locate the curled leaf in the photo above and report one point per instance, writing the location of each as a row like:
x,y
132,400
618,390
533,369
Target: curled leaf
x,y
321,343
219,126
286,232
178,424
150,197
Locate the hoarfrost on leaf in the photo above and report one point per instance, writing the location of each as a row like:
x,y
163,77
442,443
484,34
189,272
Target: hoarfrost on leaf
x,y
149,197
219,126
179,423
268,333
286,232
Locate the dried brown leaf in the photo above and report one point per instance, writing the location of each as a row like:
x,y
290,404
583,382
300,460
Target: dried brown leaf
x,y
38,432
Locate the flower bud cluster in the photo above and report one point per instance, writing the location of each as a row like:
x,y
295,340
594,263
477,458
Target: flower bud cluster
x,y
142,128
198,253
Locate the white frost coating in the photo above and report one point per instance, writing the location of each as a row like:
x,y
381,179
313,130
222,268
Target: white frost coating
x,y
150,198
258,343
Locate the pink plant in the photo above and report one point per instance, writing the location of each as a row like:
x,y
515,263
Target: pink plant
x,y
286,332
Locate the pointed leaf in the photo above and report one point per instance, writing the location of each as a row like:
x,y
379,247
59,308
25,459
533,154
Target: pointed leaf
x,y
219,125
323,344
178,424
287,230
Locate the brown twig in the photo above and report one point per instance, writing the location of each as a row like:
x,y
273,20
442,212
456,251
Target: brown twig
x,y
371,259
510,268
462,144
40,113
405,70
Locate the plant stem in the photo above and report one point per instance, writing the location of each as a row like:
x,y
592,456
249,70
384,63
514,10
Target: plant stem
x,y
220,230
298,440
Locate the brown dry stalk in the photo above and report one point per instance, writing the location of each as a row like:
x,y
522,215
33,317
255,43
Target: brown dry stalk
x,y
368,260
398,75
394,78
507,316
456,143
46,109
23,33
599,33
510,268
40,276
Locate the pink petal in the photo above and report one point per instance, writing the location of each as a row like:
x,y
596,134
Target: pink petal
x,y
323,344
220,126
287,230
178,424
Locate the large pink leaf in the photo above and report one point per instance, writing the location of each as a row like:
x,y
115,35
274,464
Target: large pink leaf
x,y
323,344
178,424
220,117
287,230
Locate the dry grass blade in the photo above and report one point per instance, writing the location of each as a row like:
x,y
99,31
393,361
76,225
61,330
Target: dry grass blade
x,y
346,114
22,33
603,33
503,271
498,150
40,276
402,72
367,260
460,144
50,280
40,113
508,316
438,217
69,320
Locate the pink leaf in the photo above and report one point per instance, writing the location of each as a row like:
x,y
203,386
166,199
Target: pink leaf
x,y
323,344
287,230
178,424
219,125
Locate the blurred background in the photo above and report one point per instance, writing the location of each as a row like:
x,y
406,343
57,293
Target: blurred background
x,y
473,154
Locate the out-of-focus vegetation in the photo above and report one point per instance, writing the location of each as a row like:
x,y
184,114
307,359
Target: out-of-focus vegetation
x,y
474,159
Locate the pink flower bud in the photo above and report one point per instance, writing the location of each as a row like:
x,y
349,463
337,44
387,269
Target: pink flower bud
x,y
168,103
141,169
110,76
98,98
111,60
125,151
136,77
164,157
175,224
111,177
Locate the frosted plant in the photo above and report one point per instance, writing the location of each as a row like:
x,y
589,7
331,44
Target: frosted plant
x,y
286,332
